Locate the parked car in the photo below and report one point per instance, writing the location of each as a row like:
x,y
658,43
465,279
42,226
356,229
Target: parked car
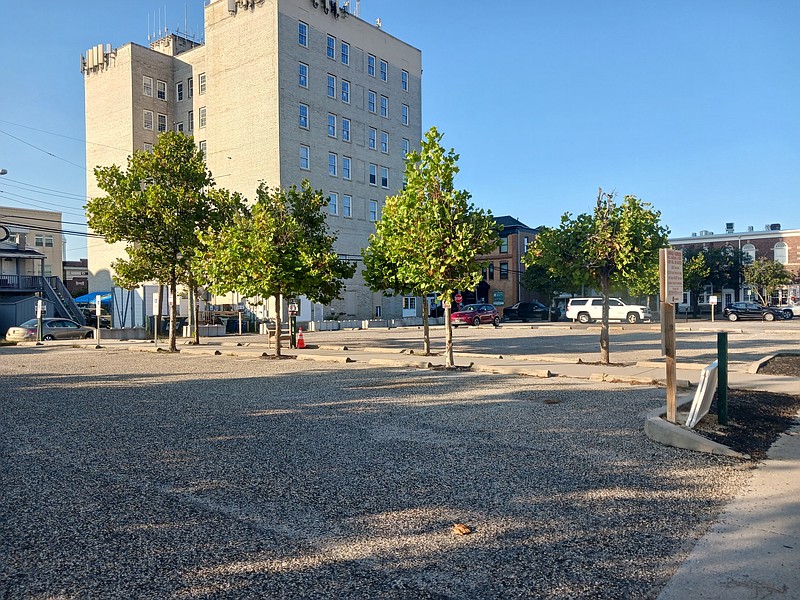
x,y
52,329
527,311
790,310
751,310
588,310
91,317
475,314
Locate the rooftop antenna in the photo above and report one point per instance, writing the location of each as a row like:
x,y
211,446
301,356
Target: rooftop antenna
x,y
378,23
148,27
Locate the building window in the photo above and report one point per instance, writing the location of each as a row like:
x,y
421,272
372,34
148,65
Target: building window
x,y
525,242
179,91
750,251
303,116
179,127
331,125
345,53
384,142
302,75
491,270
304,158
302,34
373,138
503,245
404,118
190,87
148,120
333,203
48,270
404,80
161,90
39,240
503,270
331,49
332,160
331,86
781,251
346,162
201,116
203,147
347,206
190,120
385,107
162,123
147,86
385,177
201,84
373,174
384,71
148,147
345,130
406,147
48,241
345,91
373,210
372,100
371,65
409,303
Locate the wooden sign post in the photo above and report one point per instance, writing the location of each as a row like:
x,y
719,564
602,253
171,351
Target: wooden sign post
x,y
671,277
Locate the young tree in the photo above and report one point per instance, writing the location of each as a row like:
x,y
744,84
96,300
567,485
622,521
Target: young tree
x,y
765,276
696,272
616,245
434,234
280,246
157,206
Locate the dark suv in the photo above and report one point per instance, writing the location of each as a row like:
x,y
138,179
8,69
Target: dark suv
x,y
751,310
528,311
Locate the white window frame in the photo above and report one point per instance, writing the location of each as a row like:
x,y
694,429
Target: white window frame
x,y
179,91
190,120
190,87
404,116
305,157
373,174
330,48
179,126
302,75
162,123
384,107
345,129
373,210
372,102
147,146
344,53
331,125
384,142
373,139
347,164
384,70
303,118
201,117
38,241
333,203
371,65
48,241
203,145
347,206
750,250
147,120
331,86
404,80
333,164
201,84
406,147
781,253
147,86
161,90
345,91
302,34
385,178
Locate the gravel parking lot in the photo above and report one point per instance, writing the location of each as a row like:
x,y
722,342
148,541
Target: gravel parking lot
x,y
166,476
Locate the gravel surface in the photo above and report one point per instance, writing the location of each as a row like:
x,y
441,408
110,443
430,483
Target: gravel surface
x,y
139,475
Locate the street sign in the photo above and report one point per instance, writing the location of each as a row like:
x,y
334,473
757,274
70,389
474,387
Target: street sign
x,y
671,271
459,298
713,300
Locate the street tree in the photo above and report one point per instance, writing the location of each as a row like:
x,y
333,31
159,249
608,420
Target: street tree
x,y
156,206
615,246
764,277
696,272
278,247
434,235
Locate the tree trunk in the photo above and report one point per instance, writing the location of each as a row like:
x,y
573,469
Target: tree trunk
x,y
426,330
279,305
449,363
196,313
604,353
173,291
157,315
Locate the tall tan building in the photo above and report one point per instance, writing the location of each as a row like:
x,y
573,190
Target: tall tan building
x,y
280,91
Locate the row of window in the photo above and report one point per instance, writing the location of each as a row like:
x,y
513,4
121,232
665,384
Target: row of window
x,y
346,207
161,87
780,252
147,120
45,241
488,273
344,56
377,173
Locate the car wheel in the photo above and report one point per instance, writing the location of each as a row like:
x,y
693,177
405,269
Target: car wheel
x,y
787,314
496,321
733,317
584,318
769,316
89,335
476,321
48,338
633,318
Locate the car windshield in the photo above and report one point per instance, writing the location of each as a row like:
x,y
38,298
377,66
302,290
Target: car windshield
x,y
31,323
470,308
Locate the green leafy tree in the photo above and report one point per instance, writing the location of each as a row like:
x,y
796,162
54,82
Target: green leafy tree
x,y
616,245
765,277
696,272
157,206
434,236
281,247
538,278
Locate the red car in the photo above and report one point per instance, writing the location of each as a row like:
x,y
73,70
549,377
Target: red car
x,y
475,314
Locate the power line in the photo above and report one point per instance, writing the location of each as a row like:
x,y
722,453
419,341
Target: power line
x,y
69,162
13,198
46,191
63,136
39,219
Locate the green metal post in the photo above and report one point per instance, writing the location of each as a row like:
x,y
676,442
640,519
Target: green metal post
x,y
293,331
722,378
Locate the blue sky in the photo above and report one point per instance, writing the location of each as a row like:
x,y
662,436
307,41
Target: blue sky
x,y
691,105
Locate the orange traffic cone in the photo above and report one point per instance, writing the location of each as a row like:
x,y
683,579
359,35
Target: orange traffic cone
x,y
301,343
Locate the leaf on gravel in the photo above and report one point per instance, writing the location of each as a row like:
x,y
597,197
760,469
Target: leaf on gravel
x,y
461,529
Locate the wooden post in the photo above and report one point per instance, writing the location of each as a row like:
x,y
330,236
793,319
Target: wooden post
x,y
668,333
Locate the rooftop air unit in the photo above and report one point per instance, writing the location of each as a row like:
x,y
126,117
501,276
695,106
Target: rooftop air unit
x,y
749,228
775,227
728,227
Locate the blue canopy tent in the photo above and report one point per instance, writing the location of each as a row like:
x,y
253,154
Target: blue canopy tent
x,y
91,298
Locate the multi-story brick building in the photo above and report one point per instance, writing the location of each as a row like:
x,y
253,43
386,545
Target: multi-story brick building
x,y
774,243
280,91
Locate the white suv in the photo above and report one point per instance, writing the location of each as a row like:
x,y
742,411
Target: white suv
x,y
588,310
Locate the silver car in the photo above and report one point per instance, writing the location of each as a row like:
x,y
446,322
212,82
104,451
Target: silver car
x,y
52,329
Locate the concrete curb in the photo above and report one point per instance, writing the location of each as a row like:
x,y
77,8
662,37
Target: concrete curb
x,y
662,431
510,370
324,358
754,367
418,364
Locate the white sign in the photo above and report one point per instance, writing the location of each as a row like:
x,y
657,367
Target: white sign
x,y
713,300
97,306
671,271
